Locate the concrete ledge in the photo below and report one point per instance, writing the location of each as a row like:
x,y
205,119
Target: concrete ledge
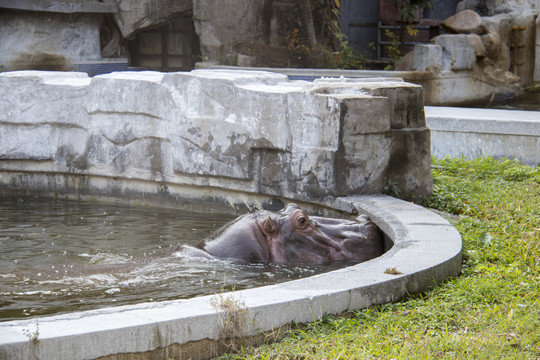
x,y
427,249
470,133
312,74
67,7
450,88
248,131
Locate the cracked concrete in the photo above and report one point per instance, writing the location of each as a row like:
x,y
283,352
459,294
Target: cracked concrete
x,y
332,137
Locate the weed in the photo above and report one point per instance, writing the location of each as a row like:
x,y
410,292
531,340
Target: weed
x,y
391,189
233,319
32,335
345,57
393,271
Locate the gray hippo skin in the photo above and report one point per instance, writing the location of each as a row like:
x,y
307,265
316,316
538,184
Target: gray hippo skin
x,y
291,236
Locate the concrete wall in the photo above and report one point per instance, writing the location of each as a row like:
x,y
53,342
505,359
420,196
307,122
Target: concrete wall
x,y
251,132
470,133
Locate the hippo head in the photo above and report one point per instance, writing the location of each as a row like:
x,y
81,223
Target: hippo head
x,y
291,236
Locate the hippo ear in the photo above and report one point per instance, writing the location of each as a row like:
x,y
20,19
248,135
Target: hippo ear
x,y
269,226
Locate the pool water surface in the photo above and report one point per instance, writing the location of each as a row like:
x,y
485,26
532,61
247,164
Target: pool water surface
x,y
60,256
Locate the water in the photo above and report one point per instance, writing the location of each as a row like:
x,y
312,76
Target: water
x,y
59,256
529,101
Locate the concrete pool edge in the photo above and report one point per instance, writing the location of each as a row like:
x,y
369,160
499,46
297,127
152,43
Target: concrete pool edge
x,y
427,250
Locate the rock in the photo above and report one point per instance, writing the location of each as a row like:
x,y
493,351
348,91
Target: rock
x,y
496,50
246,60
482,7
497,40
134,15
63,6
524,35
47,41
221,28
284,16
501,24
465,22
479,48
405,63
257,54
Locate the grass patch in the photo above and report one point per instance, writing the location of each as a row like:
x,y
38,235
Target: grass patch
x,y
491,311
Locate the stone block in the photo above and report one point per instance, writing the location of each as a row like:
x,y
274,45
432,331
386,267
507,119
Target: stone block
x,y
368,163
310,129
459,53
427,57
471,133
365,114
410,162
273,173
498,40
405,101
361,163
315,171
129,93
62,92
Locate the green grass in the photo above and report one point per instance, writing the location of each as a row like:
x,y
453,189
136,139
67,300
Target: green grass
x,y
491,311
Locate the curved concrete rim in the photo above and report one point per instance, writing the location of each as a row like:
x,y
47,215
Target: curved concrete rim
x,y
427,250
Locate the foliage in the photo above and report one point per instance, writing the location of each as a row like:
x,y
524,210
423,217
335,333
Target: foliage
x,y
295,42
491,311
409,8
408,14
394,51
339,54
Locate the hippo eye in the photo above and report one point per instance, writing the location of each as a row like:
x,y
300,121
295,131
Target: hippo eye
x,y
302,221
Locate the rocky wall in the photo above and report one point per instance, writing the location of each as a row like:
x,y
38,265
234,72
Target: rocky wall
x,y
47,41
244,131
134,15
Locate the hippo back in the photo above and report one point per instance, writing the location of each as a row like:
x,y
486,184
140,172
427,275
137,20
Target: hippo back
x,y
241,240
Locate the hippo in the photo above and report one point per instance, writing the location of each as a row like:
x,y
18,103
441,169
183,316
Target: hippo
x,y
290,236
